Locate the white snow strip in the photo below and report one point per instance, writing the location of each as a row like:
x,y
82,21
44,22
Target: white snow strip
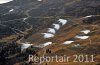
x,y
44,45
48,35
51,30
56,26
47,43
11,10
82,37
24,19
4,1
25,46
39,0
88,16
62,21
68,42
85,31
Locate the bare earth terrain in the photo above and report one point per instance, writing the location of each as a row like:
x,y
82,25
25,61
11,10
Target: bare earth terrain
x,y
50,28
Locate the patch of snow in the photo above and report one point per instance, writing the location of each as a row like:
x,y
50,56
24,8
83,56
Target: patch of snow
x,y
5,1
25,45
68,42
47,43
62,21
39,0
11,10
44,45
24,19
56,26
77,45
88,16
82,37
85,31
48,35
51,30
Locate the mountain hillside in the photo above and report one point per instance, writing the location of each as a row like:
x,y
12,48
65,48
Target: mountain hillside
x,y
49,28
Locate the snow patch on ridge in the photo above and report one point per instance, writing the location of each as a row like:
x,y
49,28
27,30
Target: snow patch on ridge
x,y
82,37
85,31
62,21
47,43
25,45
44,45
56,26
68,42
48,35
51,30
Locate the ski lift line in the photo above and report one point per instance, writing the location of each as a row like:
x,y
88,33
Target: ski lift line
x,y
27,11
15,29
38,17
71,2
26,22
22,21
9,27
3,25
13,20
6,7
7,12
35,17
3,10
50,17
41,17
17,19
